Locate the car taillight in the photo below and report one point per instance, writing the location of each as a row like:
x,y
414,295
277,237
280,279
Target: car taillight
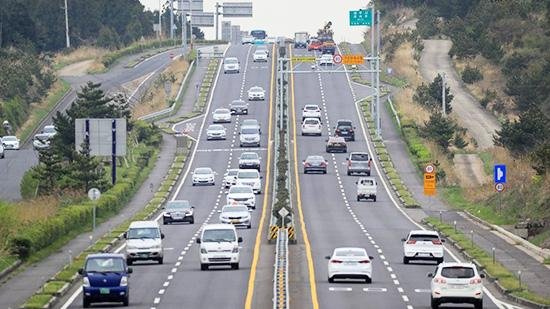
x,y
475,281
323,164
440,280
437,242
307,164
411,242
337,130
370,161
364,262
336,261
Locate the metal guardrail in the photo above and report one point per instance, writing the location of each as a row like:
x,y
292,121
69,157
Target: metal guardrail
x,y
178,97
280,274
394,111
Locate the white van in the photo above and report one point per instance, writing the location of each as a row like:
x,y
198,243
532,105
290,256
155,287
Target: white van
x,y
366,188
219,245
144,242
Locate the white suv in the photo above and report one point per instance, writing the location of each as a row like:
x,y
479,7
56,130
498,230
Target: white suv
x,y
456,283
250,178
231,65
311,111
422,245
219,245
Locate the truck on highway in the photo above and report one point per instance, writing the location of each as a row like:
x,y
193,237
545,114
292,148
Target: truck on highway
x,y
325,36
301,39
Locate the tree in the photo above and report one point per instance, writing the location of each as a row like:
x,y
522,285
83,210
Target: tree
x,y
86,172
48,171
430,95
439,129
108,38
525,134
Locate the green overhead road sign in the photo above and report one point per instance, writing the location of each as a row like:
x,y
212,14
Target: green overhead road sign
x,y
360,18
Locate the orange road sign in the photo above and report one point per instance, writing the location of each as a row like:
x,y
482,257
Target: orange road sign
x,y
353,59
429,184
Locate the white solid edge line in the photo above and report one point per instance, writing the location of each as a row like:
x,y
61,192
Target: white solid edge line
x,y
159,54
141,84
496,301
79,290
186,120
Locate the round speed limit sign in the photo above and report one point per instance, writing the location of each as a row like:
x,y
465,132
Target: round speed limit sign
x,y
429,169
499,187
337,59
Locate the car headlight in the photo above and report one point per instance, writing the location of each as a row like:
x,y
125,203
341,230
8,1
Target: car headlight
x,y
124,281
235,249
166,214
203,251
155,247
224,218
129,247
85,282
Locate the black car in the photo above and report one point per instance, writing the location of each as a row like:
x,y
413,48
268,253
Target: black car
x,y
315,164
345,129
336,144
238,107
178,211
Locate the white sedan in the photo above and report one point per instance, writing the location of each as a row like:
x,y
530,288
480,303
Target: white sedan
x,y
203,176
260,55
215,131
256,93
230,177
238,215
312,126
349,263
241,195
10,142
221,115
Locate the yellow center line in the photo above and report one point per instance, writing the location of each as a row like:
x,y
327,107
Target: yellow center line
x,y
309,258
256,256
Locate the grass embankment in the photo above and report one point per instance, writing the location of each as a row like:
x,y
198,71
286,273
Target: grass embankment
x,y
77,55
39,111
495,270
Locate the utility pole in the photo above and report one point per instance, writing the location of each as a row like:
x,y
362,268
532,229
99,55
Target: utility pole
x,y
378,126
371,64
171,19
443,98
217,17
160,23
68,40
183,27
191,24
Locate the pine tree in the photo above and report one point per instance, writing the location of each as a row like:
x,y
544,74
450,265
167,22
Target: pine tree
x,y
49,171
86,172
439,129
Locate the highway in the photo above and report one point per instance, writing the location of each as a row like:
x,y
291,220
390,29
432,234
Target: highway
x,y
179,282
333,217
16,163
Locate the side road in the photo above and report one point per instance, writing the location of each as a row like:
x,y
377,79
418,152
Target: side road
x,y
513,256
17,288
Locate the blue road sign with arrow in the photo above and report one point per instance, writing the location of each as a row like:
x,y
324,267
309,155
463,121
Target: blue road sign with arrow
x,y
500,173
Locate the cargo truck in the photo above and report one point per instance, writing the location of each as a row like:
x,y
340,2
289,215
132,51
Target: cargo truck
x,y
301,39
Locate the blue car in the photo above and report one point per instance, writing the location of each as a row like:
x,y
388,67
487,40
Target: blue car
x,y
105,279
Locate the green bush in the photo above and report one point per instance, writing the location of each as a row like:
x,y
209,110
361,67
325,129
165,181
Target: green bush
x,y
110,58
471,75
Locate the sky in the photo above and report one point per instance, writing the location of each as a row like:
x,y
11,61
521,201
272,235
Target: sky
x,y
284,17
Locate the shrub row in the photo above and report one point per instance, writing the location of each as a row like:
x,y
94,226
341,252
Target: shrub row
x,y
138,47
206,86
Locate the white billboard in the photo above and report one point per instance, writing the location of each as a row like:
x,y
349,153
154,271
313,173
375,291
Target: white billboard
x,y
194,6
237,9
100,133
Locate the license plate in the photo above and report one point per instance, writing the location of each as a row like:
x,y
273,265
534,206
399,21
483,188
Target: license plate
x,y
104,291
144,255
235,221
457,286
177,217
423,254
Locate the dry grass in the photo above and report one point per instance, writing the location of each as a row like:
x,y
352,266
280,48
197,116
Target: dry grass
x,y
28,211
77,55
156,99
493,79
408,109
405,66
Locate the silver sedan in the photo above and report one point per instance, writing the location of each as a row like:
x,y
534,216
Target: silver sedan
x,y
256,93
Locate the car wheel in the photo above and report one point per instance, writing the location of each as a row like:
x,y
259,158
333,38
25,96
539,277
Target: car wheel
x,y
434,303
439,261
368,174
349,173
204,266
85,302
374,199
192,221
368,279
234,265
164,222
161,260
193,185
330,280
478,304
405,260
253,207
129,262
126,301
358,198
305,172
324,172
249,226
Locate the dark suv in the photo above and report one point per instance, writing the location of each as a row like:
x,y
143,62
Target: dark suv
x,y
238,107
345,129
336,144
105,279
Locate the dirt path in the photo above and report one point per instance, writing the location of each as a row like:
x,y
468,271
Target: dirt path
x,y
480,124
469,168
76,69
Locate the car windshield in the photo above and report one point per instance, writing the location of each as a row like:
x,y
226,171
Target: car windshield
x,y
110,264
249,131
249,156
203,171
238,102
232,172
423,237
49,129
312,121
215,127
256,89
234,209
311,107
222,111
260,52
349,252
240,189
143,232
315,159
231,61
458,272
218,235
252,174
179,205
359,157
250,122
367,182
9,138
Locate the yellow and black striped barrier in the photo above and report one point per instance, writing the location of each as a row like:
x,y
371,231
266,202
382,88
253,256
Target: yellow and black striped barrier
x,y
273,230
291,234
